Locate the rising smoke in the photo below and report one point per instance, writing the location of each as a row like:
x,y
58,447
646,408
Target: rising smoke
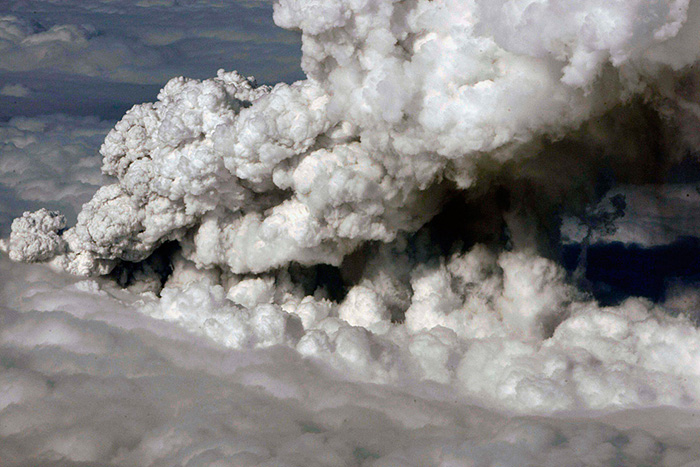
x,y
398,213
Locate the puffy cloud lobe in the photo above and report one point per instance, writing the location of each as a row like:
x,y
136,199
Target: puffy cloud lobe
x,y
464,75
585,35
504,329
36,236
153,201
193,153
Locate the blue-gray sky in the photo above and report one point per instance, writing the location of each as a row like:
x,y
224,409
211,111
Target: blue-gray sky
x,y
99,57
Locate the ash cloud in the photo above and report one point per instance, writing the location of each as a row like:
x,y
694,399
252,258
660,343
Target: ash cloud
x,y
251,179
394,218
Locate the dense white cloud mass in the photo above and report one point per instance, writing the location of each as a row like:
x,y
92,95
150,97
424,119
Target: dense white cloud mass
x,y
356,268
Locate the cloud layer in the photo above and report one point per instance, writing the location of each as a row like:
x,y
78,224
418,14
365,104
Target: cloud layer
x,y
49,161
88,379
109,55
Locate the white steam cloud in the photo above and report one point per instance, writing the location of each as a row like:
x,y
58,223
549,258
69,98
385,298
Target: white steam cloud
x,y
391,219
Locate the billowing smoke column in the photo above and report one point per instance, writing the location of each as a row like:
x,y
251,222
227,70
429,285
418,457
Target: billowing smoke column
x,y
511,108
402,99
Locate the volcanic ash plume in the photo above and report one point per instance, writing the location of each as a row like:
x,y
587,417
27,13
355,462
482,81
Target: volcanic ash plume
x,y
394,212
